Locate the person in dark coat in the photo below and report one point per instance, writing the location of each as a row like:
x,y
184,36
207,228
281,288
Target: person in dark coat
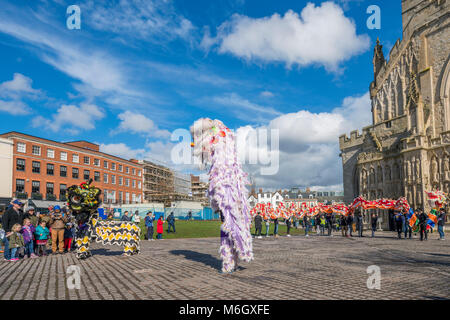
x,y
407,229
441,222
398,223
329,219
350,224
125,217
258,225
317,223
344,229
306,224
149,219
423,221
373,221
359,224
171,222
12,216
288,225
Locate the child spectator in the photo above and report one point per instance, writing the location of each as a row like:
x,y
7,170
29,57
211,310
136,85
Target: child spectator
x,y
68,236
159,228
44,218
28,237
42,234
16,242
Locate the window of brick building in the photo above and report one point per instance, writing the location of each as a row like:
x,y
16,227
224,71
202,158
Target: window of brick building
x,y
75,158
105,178
36,150
113,166
105,164
113,179
120,168
96,176
120,181
21,147
75,173
63,156
20,185
50,188
20,165
97,162
36,167
86,174
50,169
86,160
35,186
50,153
62,191
63,171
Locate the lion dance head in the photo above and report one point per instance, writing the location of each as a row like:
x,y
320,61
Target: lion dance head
x,y
83,200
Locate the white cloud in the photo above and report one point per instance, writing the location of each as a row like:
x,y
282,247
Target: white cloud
x,y
186,74
138,123
71,118
267,94
241,108
309,145
152,20
320,35
121,150
13,93
14,107
100,73
19,83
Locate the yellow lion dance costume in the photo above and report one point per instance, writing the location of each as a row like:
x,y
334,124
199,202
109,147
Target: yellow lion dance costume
x,y
84,201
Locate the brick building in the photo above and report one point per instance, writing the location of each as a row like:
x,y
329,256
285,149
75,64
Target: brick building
x,y
43,169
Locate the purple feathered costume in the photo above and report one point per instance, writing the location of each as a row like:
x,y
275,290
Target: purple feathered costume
x,y
215,144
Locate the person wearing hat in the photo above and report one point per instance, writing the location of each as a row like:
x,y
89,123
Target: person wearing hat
x,y
68,236
31,214
12,216
57,224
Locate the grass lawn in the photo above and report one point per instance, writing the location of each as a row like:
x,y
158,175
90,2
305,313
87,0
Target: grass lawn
x,y
208,229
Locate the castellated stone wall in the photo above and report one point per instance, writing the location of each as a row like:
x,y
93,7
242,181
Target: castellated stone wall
x,y
406,149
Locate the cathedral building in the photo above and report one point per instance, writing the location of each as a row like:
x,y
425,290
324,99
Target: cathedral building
x,y
406,149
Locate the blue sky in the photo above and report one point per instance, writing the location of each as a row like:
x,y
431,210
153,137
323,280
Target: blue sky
x,y
138,70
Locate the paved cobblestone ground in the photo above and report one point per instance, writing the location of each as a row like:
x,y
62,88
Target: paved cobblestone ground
x,y
284,268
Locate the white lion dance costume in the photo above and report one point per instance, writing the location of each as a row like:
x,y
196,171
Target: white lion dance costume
x,y
215,144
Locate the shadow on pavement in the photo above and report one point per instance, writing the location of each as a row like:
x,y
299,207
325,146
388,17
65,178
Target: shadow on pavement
x,y
204,258
105,252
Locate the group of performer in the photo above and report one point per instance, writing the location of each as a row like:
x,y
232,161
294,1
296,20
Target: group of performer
x,y
404,223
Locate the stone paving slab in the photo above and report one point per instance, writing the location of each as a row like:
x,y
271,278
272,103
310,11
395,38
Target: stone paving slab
x,y
295,268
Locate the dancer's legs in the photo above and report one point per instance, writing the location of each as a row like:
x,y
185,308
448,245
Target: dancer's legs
x,y
227,253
